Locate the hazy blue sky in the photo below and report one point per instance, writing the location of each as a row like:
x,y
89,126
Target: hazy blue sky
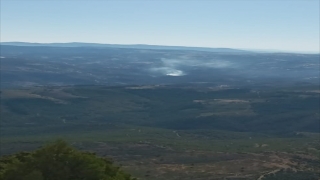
x,y
254,24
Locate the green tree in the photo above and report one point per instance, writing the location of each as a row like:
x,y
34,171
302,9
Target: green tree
x,y
59,161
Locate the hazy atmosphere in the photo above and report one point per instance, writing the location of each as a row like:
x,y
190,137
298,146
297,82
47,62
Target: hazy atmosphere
x,y
159,90
244,24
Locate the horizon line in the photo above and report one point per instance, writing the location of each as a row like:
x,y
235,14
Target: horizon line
x,y
244,49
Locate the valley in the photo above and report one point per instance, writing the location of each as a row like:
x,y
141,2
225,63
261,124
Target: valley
x,y
165,132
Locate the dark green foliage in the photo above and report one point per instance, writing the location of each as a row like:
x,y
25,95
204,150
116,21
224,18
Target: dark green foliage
x,y
270,111
59,161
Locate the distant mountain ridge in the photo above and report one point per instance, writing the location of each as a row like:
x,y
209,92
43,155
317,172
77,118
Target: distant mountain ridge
x,y
132,46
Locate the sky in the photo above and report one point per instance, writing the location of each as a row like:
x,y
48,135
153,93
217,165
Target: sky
x,y
286,25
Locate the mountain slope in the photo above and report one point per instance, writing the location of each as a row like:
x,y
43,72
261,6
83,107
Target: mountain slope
x,y
134,46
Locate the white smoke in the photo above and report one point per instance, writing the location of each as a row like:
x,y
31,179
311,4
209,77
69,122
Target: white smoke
x,y
172,67
168,71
